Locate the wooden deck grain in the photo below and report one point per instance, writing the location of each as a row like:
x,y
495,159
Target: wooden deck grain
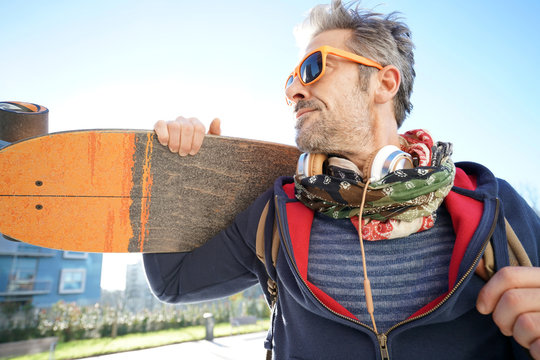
x,y
121,191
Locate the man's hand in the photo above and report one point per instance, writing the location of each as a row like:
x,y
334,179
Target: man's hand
x,y
513,297
184,136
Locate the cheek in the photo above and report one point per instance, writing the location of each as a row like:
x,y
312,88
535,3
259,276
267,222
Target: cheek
x,y
341,93
348,105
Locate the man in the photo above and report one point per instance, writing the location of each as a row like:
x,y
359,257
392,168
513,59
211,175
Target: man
x,y
431,285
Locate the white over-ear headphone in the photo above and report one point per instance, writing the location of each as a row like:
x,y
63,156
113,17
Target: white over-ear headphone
x,y
388,159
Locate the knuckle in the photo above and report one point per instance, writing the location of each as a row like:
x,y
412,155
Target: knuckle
x,y
159,124
198,127
507,275
528,322
173,141
187,129
174,126
512,298
499,320
161,131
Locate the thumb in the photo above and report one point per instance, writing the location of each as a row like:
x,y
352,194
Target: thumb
x,y
215,127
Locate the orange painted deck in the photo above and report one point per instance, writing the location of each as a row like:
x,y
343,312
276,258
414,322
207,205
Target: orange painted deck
x,y
70,188
121,191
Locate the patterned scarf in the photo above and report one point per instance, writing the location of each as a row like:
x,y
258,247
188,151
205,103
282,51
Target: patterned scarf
x,y
399,204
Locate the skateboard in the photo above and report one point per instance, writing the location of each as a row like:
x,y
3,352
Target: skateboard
x,y
115,191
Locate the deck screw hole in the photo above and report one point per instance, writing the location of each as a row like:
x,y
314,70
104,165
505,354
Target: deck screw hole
x,y
39,183
39,206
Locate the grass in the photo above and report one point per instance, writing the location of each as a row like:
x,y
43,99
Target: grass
x,y
92,347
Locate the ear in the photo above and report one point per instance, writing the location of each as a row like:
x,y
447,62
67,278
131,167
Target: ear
x,y
387,85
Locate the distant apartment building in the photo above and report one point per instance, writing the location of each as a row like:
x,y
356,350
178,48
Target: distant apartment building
x,y
41,277
137,293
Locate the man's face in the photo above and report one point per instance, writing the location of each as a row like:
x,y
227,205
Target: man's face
x,y
332,114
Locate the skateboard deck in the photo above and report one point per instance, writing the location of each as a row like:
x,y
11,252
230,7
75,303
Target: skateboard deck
x,y
121,191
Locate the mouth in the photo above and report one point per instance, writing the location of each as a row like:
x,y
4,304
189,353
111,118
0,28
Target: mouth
x,y
303,111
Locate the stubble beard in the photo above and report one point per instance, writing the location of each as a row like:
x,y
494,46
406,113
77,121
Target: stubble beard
x,y
316,135
319,132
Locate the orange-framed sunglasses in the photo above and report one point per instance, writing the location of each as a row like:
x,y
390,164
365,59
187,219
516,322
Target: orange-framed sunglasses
x,y
313,65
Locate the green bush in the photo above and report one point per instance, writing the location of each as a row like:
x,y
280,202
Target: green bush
x,y
68,321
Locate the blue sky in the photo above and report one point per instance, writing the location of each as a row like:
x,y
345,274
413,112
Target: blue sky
x,y
127,64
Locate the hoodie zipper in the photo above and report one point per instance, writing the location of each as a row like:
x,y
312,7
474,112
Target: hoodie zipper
x,y
383,346
383,338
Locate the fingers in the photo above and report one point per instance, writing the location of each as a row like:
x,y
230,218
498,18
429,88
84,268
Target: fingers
x,y
198,137
515,309
513,297
505,279
162,133
535,349
183,135
185,140
526,329
215,127
174,132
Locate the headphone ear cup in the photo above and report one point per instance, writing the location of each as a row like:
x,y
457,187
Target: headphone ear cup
x,y
310,164
368,166
385,161
317,163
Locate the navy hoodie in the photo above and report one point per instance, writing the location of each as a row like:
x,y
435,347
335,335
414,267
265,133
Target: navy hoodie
x,y
309,324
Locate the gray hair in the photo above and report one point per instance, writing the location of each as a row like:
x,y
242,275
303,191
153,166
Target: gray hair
x,y
382,38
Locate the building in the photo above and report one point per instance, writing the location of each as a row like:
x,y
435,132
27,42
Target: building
x,y
137,294
31,275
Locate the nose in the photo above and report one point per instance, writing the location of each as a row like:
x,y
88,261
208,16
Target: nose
x,y
296,91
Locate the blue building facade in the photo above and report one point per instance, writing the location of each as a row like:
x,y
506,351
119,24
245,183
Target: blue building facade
x,y
41,277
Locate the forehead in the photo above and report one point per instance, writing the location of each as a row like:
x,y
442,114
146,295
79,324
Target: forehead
x,y
336,38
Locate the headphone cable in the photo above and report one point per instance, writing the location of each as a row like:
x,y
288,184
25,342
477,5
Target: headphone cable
x,y
367,286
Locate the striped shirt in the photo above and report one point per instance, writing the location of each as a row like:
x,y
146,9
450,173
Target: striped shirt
x,y
405,273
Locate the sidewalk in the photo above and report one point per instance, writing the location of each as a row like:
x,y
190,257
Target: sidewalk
x,y
239,347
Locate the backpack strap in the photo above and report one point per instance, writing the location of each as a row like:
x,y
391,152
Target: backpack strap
x,y
259,239
260,247
517,255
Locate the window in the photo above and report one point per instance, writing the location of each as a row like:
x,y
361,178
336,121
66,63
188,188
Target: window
x,y
22,280
72,281
75,255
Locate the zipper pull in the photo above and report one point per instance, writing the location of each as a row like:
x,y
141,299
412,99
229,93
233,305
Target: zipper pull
x,y
382,345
